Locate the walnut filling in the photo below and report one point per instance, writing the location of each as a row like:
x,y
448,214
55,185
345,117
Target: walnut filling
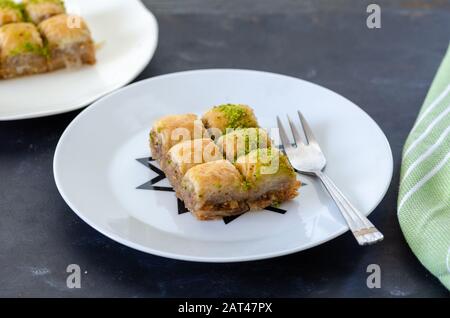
x,y
72,56
24,64
174,176
155,146
215,210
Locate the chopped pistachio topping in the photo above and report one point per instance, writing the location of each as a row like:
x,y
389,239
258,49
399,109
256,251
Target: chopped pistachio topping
x,y
17,7
246,185
244,140
61,2
254,162
237,116
265,158
10,4
29,47
276,204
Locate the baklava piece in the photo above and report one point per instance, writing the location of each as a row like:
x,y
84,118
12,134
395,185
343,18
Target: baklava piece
x,y
186,155
269,177
40,10
213,190
229,116
10,12
241,141
171,130
22,51
68,45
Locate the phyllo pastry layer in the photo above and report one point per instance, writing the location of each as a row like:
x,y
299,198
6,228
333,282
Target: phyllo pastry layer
x,y
241,141
40,10
231,116
173,129
214,189
186,155
22,50
10,12
68,45
269,177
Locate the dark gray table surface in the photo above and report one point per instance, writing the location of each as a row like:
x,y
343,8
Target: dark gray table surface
x,y
385,71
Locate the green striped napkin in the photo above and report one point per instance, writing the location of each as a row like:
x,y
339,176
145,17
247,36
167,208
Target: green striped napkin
x,y
424,198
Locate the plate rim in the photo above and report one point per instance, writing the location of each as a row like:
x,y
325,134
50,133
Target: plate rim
x,y
183,257
84,102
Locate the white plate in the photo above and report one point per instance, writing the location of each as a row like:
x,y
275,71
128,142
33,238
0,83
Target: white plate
x,y
127,33
97,173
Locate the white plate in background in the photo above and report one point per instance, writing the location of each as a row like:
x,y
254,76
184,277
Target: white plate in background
x,y
98,174
127,34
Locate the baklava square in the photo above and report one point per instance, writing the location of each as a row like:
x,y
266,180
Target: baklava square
x,y
229,116
213,190
39,10
269,177
186,155
173,129
22,50
10,12
241,141
68,40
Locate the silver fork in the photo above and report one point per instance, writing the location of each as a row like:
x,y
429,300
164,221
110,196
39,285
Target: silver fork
x,y
307,157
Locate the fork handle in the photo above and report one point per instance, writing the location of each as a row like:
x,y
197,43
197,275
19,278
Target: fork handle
x,y
363,230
